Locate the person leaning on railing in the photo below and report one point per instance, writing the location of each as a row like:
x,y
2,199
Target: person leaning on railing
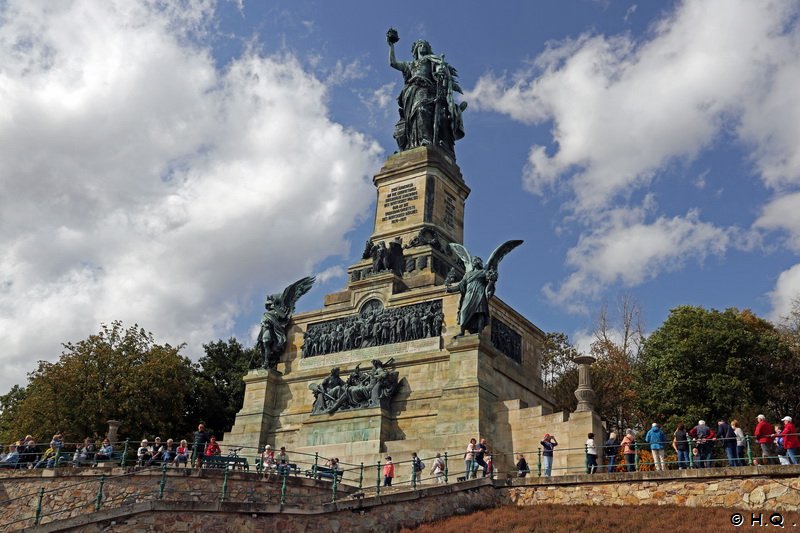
x,y
629,450
610,450
680,443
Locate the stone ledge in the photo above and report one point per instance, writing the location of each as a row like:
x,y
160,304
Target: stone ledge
x,y
771,471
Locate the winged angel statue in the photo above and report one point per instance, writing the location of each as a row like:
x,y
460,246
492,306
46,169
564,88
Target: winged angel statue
x,y
278,312
477,286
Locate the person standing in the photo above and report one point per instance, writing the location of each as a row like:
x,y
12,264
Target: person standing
x,y
388,472
591,455
680,443
438,468
790,441
416,467
727,437
199,448
629,450
656,439
522,466
763,434
480,454
704,440
469,458
610,450
741,443
548,443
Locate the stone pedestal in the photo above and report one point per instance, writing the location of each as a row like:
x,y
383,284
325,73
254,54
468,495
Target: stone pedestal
x,y
355,436
584,393
260,411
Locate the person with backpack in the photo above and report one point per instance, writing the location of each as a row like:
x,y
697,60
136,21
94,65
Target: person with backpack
x,y
417,466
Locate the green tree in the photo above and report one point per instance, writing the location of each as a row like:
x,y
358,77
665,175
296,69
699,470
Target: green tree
x,y
117,374
219,388
616,348
709,364
559,371
9,405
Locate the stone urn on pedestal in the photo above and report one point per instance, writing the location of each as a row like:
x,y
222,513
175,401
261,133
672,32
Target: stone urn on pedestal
x,y
584,393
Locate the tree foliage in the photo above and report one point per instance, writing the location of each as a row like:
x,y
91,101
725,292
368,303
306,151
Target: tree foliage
x,y
559,372
119,374
710,364
618,342
219,388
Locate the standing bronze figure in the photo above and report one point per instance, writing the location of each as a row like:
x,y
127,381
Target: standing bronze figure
x,y
428,113
477,286
278,311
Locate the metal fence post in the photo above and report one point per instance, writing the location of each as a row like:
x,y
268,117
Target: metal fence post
x,y
749,450
445,468
284,472
99,500
361,477
539,461
378,485
39,507
124,453
163,482
224,484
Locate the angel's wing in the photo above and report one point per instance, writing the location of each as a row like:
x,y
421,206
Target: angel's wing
x,y
500,253
463,254
293,292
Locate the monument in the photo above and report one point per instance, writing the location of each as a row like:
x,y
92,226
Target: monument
x,y
416,353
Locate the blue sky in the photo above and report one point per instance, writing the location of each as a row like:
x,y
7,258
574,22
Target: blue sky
x,y
170,163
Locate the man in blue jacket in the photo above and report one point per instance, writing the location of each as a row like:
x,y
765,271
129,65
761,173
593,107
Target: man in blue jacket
x,y
657,440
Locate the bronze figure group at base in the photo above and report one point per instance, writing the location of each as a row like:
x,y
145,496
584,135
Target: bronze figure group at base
x,y
372,388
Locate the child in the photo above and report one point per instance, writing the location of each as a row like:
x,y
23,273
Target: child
x,y
388,472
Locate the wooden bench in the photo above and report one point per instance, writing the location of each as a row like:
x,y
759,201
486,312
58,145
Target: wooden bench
x,y
320,472
114,460
225,461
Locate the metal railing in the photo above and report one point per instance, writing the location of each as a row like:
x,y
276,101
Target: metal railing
x,y
272,483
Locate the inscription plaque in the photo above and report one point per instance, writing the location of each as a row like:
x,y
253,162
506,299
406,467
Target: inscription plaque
x,y
398,203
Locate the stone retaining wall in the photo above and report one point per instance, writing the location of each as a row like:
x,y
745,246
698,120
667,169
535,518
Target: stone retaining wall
x,y
759,489
770,488
73,492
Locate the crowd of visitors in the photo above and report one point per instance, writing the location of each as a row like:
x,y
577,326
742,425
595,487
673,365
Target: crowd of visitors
x,y
693,448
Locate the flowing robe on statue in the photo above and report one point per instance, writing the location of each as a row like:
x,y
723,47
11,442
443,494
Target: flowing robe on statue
x,y
474,300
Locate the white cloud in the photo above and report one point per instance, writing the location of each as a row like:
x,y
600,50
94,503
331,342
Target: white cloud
x,y
783,213
622,109
140,183
787,289
625,249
